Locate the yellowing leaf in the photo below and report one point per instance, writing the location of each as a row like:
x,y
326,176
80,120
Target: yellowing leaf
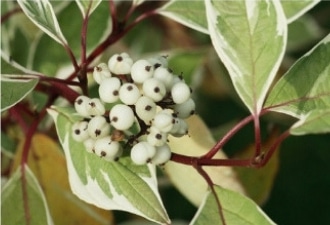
x,y
259,182
188,181
48,164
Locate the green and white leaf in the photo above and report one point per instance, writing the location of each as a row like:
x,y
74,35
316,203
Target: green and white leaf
x,y
117,185
250,39
189,13
15,83
87,6
237,210
305,87
12,205
315,122
138,2
42,14
295,8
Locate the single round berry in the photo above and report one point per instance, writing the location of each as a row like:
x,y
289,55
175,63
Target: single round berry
x,y
179,128
109,90
89,145
80,105
185,109
142,153
129,93
121,117
154,89
165,76
79,131
120,63
145,109
98,127
180,92
101,72
106,148
95,107
163,121
141,70
156,137
163,155
160,61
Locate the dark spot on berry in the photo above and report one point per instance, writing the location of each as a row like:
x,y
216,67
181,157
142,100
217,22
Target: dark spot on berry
x,y
148,108
99,69
192,112
156,89
169,70
79,101
129,87
190,89
77,131
157,65
158,136
92,104
97,132
148,160
114,119
103,153
173,121
115,92
147,68
119,58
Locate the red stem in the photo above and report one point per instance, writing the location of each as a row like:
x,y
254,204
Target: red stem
x,y
257,136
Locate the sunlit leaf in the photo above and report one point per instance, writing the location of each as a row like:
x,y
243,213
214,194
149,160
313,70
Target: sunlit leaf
x,y
119,185
315,122
237,210
250,39
87,6
305,87
42,14
188,13
185,178
12,200
47,162
293,9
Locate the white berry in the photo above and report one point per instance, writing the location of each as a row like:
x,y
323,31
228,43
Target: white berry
x,y
80,105
163,155
142,153
107,148
160,61
180,92
121,117
79,131
89,145
141,70
185,109
95,107
156,137
154,89
120,63
109,90
129,93
101,72
98,127
179,128
163,121
145,109
165,76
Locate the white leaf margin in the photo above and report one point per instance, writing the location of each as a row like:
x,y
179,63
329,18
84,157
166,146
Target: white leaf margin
x,y
302,11
57,36
93,194
219,44
162,11
29,174
94,5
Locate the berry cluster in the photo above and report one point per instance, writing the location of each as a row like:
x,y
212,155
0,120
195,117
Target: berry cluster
x,y
140,103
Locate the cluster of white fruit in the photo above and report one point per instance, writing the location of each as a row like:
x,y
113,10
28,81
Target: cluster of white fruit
x,y
146,102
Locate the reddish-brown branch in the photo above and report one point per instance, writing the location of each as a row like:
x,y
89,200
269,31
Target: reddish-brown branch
x,y
7,15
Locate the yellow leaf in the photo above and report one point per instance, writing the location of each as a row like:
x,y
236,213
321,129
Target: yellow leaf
x,y
47,162
188,181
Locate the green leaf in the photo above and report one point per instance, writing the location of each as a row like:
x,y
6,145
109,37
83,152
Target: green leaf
x,y
117,185
87,6
250,39
237,210
305,87
42,14
191,14
12,201
315,122
293,9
